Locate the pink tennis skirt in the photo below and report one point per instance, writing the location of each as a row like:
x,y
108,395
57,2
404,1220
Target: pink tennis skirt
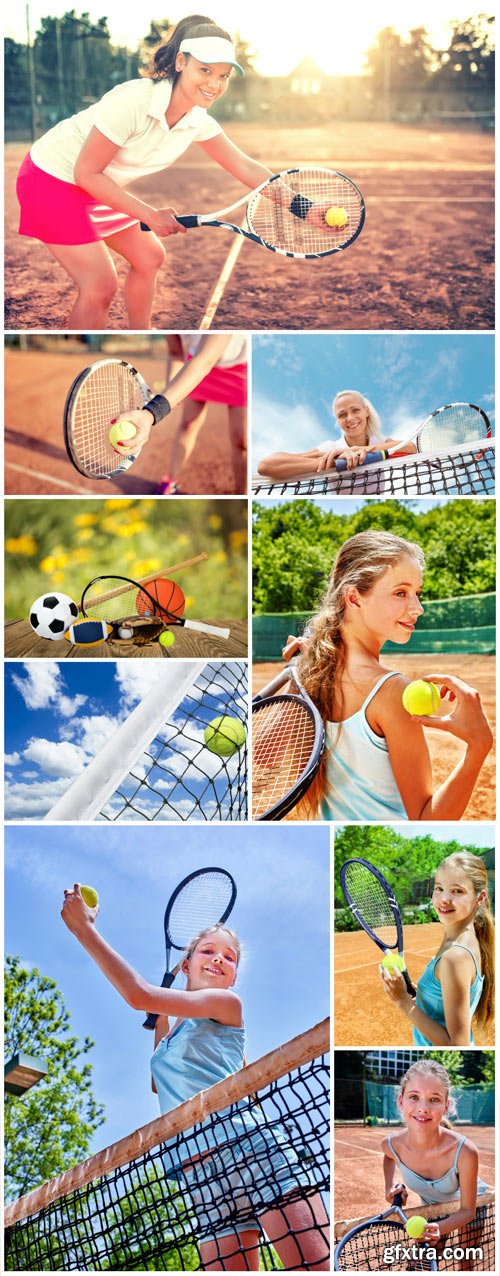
x,y
58,212
222,385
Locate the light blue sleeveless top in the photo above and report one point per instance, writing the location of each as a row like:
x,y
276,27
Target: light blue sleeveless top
x,y
430,996
194,1057
360,782
432,1191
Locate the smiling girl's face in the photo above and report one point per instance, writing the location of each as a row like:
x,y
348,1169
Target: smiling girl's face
x,y
454,896
352,417
213,962
424,1102
202,83
392,607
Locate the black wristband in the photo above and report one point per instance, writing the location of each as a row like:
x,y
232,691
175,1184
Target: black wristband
x,y
158,407
300,206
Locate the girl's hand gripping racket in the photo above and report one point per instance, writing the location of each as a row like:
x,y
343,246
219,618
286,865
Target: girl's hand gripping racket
x,y
372,903
106,390
202,899
302,212
288,739
455,425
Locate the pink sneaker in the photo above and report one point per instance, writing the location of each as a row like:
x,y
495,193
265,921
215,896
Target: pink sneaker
x,y
167,487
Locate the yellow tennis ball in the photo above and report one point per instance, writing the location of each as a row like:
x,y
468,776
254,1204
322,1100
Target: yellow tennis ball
x,y
224,736
416,1226
121,432
90,896
421,697
392,961
166,638
336,217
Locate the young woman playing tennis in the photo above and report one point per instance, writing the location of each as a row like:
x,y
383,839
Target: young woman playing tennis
x,y
460,980
376,764
232,1197
429,1157
361,430
200,370
73,187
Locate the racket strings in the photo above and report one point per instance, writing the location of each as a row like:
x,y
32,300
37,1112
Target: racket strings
x,y
270,217
371,901
283,739
368,1251
459,423
201,903
107,601
107,392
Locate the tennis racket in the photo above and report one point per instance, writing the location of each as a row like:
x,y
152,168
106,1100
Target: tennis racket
x,y
102,392
373,1246
373,904
202,899
288,739
447,427
115,598
287,213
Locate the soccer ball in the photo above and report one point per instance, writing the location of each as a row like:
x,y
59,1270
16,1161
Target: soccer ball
x,y
52,614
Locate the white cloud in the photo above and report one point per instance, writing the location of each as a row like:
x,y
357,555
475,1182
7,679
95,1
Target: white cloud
x,y
32,801
56,758
69,705
135,679
40,684
281,427
11,759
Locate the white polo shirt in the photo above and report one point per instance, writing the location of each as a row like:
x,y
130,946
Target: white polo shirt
x,y
133,116
235,353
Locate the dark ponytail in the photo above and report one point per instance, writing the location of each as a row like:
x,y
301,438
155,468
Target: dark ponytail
x,y
162,64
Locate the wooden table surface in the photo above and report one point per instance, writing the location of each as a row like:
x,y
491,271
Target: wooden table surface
x,y
22,642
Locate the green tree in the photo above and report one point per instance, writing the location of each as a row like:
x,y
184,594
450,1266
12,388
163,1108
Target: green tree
x,y
470,55
51,1127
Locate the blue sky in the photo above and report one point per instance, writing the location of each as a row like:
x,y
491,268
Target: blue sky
x,y
281,915
58,716
405,375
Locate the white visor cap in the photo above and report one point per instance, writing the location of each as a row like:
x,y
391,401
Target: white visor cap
x,y
211,49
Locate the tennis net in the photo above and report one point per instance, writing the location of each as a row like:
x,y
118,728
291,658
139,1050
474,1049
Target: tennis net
x,y
468,471
189,1187
157,765
469,1248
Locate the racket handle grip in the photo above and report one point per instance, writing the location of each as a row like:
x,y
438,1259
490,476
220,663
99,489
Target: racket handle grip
x,y
167,981
189,222
145,227
207,629
369,460
412,991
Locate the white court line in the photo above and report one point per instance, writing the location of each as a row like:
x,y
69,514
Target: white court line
x,y
361,1147
47,478
429,199
223,279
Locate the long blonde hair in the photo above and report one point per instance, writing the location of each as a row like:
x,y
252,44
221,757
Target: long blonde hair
x,y
374,424
431,1068
361,561
475,870
209,930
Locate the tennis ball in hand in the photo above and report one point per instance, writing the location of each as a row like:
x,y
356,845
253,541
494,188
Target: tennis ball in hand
x,y
121,432
416,1226
224,736
90,896
336,217
421,697
392,961
166,638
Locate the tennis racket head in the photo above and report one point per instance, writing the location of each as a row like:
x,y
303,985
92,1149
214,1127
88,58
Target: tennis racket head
x,y
102,392
288,739
288,213
453,425
372,903
115,598
365,1249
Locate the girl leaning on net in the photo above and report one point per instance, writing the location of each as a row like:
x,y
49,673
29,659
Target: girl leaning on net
x,y
233,1185
376,764
361,432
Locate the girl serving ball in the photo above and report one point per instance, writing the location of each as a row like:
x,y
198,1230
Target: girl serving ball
x,y
376,764
429,1157
73,184
232,1187
459,982
361,430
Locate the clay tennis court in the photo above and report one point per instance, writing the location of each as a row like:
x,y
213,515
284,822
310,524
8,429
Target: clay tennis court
x,y
36,461
364,1015
423,260
445,750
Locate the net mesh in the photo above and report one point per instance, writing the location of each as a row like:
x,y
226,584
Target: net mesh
x,y
111,388
462,471
366,1251
176,776
369,898
283,217
251,1172
283,737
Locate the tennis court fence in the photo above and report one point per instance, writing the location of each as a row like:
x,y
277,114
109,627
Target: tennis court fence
x,y
461,471
131,1207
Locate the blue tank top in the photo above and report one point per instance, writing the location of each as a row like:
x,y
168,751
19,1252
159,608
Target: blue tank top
x,y
360,782
432,1191
197,1054
430,996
